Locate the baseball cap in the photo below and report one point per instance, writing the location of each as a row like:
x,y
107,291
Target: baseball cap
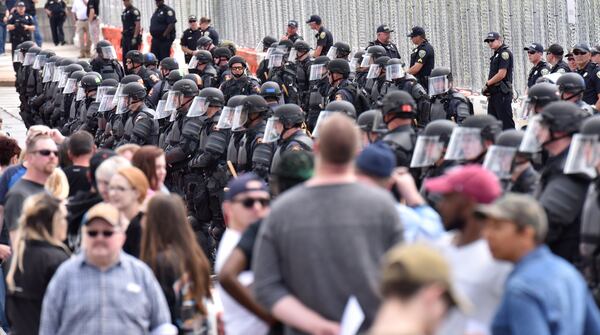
x,y
104,211
534,47
522,209
582,47
244,183
293,23
555,49
377,159
20,4
471,180
420,264
416,31
192,18
384,28
298,165
595,50
314,18
492,36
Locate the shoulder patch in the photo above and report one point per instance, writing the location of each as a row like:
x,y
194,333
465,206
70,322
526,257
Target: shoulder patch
x,y
296,147
170,13
598,74
544,72
422,53
322,35
136,12
561,70
505,55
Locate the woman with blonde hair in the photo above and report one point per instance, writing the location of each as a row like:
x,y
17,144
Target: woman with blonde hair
x,y
38,253
57,184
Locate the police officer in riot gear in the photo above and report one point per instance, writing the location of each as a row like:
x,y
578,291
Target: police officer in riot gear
x,y
446,102
365,123
240,83
372,54
88,108
36,79
430,148
134,64
590,72
106,62
271,92
319,90
285,77
470,142
131,37
162,29
398,109
538,96
376,79
422,58
205,43
226,122
27,86
70,92
341,88
339,50
571,87
540,68
63,103
383,39
357,71
151,62
554,57
498,87
302,66
167,66
201,64
340,106
140,127
262,72
116,119
221,56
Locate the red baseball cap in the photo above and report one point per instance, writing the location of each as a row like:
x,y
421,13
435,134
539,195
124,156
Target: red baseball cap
x,y
472,180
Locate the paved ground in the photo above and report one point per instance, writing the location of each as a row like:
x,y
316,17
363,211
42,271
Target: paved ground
x,y
9,112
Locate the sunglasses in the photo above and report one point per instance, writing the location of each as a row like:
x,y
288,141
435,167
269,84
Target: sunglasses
x,y
532,52
47,153
105,233
237,68
579,53
249,202
489,41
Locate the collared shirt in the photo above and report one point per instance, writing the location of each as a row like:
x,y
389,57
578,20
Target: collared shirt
x,y
560,67
425,55
79,9
591,75
539,70
324,39
502,59
124,299
545,294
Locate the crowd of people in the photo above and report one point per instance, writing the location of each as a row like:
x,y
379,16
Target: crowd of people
x,y
157,198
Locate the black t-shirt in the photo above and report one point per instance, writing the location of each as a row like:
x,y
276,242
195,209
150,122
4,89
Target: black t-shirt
x,y
133,236
78,180
246,243
93,4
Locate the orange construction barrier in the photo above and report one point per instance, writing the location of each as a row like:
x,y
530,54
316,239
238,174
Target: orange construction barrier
x,y
251,57
113,35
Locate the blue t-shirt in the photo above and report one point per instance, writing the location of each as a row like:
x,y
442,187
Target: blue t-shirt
x,y
9,177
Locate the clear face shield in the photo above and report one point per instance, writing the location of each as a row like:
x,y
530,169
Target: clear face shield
x,y
332,53
535,134
428,150
40,61
271,134
465,144
108,52
173,98
57,74
80,93
322,117
499,160
393,72
275,60
29,59
117,93
526,112
64,77
48,72
438,85
193,63
17,56
198,107
317,71
293,55
122,104
353,64
101,92
366,61
584,155
374,71
226,118
70,86
161,112
240,117
106,103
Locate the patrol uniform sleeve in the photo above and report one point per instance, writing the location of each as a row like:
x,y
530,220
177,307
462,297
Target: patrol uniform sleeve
x,y
504,60
171,16
11,19
183,39
596,82
322,39
422,55
214,36
136,15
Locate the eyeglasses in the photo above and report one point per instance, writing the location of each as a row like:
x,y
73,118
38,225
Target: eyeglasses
x,y
237,67
249,202
128,62
105,233
47,153
579,53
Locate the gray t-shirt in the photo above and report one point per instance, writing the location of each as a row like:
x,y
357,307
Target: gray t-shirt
x,y
323,244
14,201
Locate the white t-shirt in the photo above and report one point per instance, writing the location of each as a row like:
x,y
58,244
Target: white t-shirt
x,y
478,277
237,319
79,8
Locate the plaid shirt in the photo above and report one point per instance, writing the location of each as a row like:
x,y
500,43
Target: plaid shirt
x,y
125,299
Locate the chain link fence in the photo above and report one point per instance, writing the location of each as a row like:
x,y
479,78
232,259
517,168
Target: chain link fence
x,y
455,28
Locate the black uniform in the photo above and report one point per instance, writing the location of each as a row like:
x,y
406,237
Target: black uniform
x,y
262,72
590,239
302,79
423,54
243,85
19,34
189,39
319,90
391,49
210,32
57,19
141,128
560,67
294,38
299,141
208,75
451,105
591,75
161,45
409,85
541,69
108,68
345,91
500,99
129,17
402,141
324,39
286,78
149,77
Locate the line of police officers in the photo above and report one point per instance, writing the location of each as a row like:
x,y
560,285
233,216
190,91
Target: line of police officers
x,y
218,120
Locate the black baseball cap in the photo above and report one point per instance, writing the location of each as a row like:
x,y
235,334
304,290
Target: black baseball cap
x,y
20,4
416,31
582,47
192,18
314,18
555,49
595,50
293,23
384,28
534,47
492,36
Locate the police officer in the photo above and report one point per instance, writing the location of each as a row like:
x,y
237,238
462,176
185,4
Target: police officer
x,y
398,109
365,123
222,55
90,115
285,127
20,25
162,29
383,39
430,148
422,58
151,62
359,73
292,32
498,87
262,72
470,142
302,66
446,102
284,76
80,105
571,87
41,81
538,96
372,54
377,79
189,39
140,127
540,68
590,73
204,68
131,37
205,43
106,62
240,83
63,102
57,13
167,66
323,36
340,50
134,64
271,92
116,119
342,89
319,90
554,57
207,30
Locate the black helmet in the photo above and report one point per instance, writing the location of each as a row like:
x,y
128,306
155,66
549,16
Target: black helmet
x,y
35,49
111,91
392,61
191,76
382,61
366,119
25,46
134,90
489,125
287,44
203,56
340,66
342,106
255,104
571,82
301,46
321,60
102,44
65,62
441,128
270,89
222,52
175,76
204,41
562,116
85,65
591,126
110,82
72,68
237,60
542,94
91,81
267,41
53,59
376,51
441,71
236,100
214,96
169,63
77,75
186,87
135,56
131,78
231,46
290,115
510,138
150,59
343,49
399,103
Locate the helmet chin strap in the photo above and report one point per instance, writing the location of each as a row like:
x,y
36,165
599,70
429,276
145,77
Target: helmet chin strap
x,y
567,98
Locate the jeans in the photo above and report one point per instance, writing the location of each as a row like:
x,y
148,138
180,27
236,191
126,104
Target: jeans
x,y
2,37
37,35
3,319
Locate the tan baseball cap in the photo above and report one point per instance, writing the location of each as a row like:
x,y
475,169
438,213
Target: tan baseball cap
x,y
104,211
